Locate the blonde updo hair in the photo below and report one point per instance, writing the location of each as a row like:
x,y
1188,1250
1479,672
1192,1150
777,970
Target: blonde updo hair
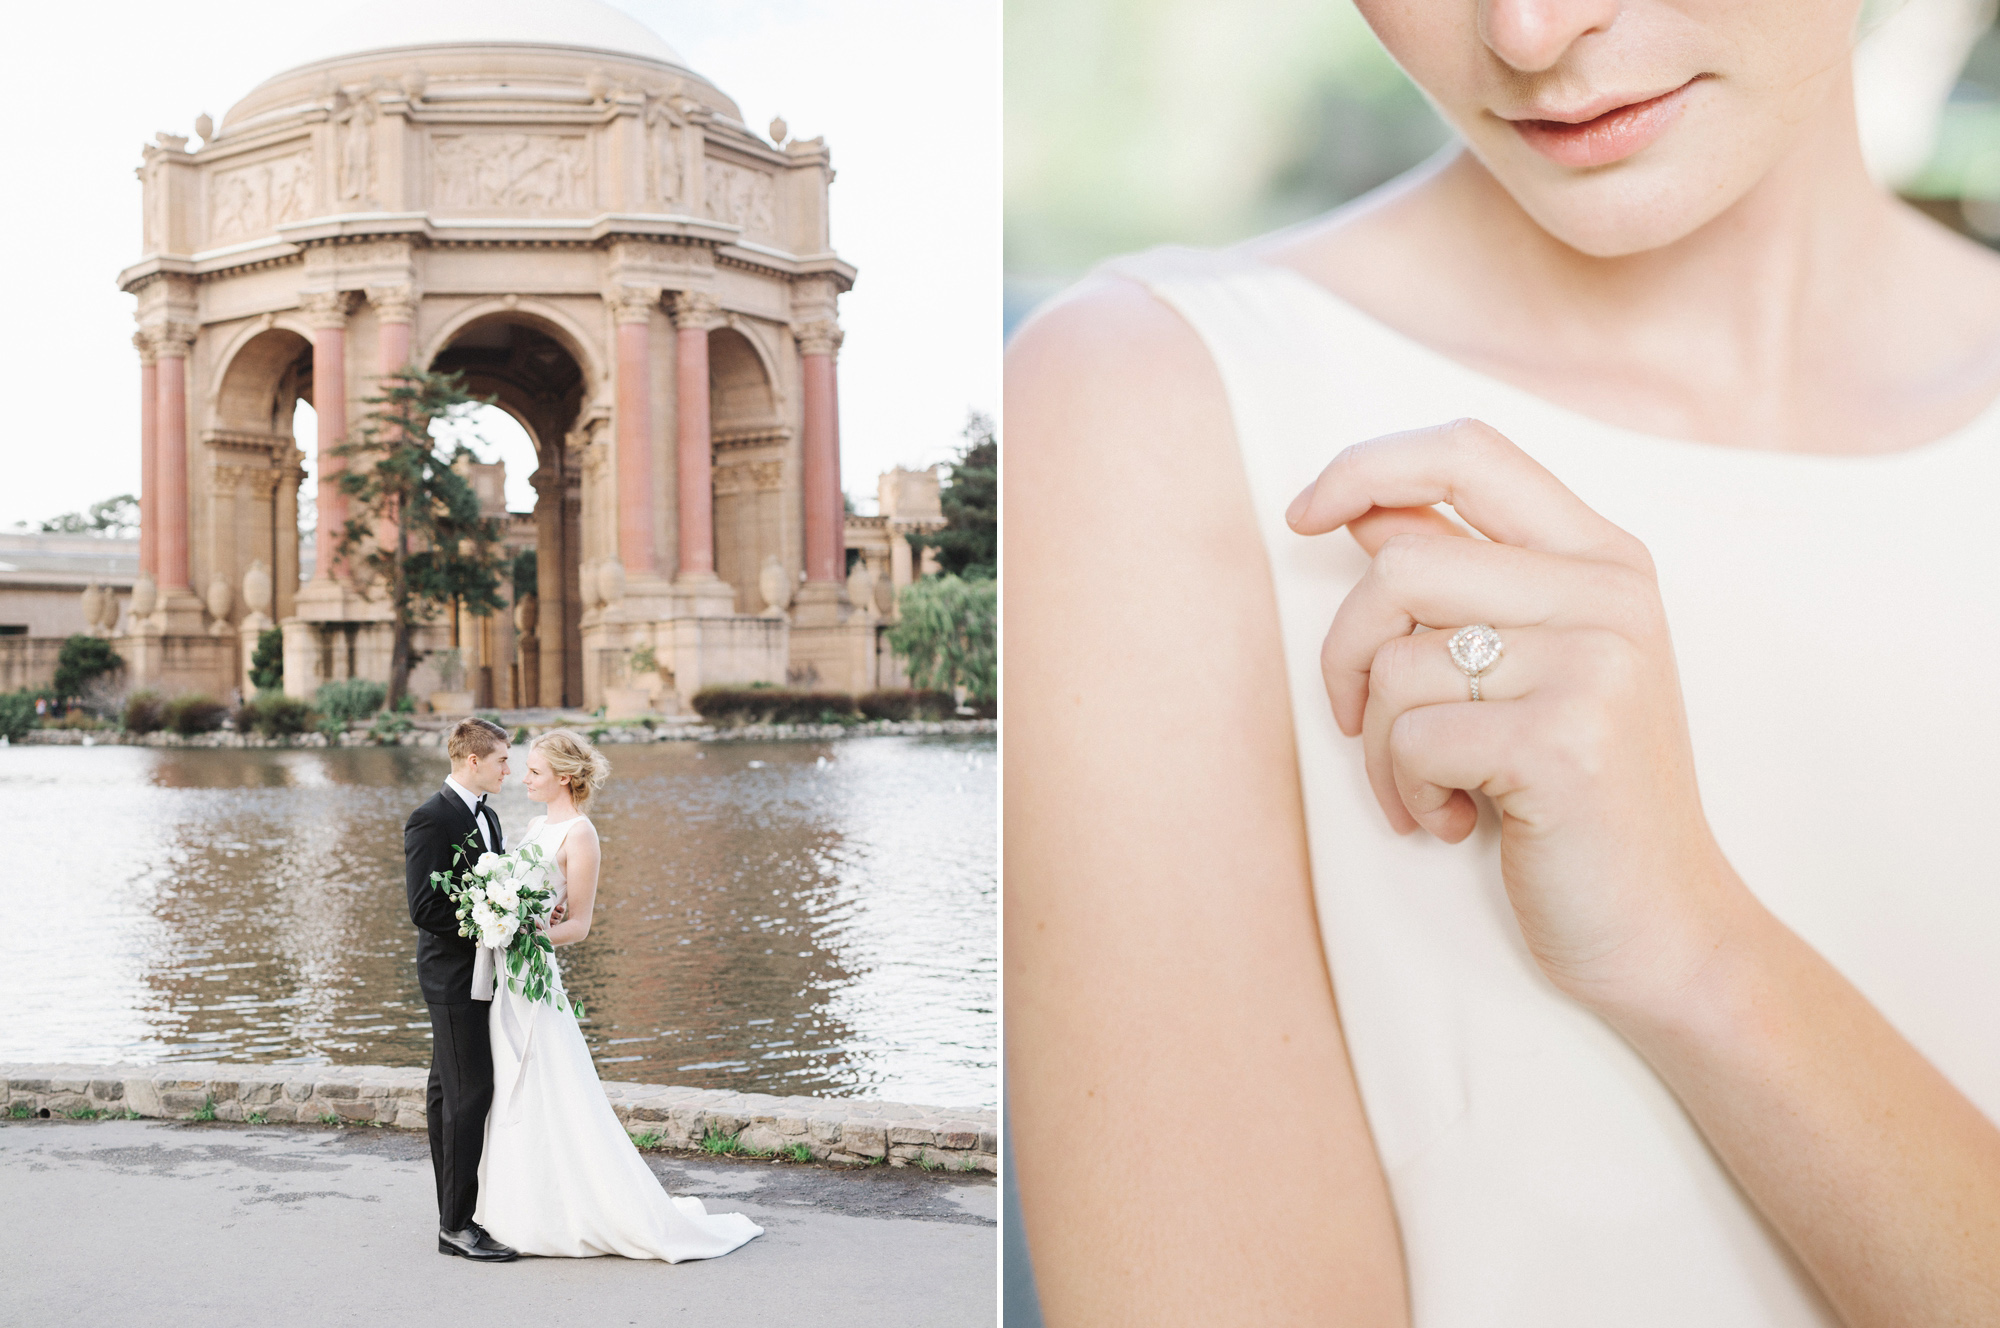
x,y
572,757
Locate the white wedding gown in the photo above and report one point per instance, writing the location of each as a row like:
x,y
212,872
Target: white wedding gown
x,y
559,1176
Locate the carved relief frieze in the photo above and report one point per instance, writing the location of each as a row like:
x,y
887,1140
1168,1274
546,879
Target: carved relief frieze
x,y
741,196
748,476
245,202
531,172
357,147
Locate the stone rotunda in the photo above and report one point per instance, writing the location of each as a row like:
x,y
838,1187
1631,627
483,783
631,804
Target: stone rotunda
x,y
547,198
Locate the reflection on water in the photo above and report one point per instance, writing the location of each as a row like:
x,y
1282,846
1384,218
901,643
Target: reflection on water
x,y
784,917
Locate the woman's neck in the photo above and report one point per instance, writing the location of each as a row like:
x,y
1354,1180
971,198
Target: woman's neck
x,y
561,811
1813,314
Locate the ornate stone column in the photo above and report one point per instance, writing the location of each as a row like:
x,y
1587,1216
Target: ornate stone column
x,y
170,549
326,312
395,315
149,444
825,514
633,307
694,314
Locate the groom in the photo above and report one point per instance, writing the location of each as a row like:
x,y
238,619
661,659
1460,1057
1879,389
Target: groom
x,y
456,818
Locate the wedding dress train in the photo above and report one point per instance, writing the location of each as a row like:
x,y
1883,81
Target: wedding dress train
x,y
559,1176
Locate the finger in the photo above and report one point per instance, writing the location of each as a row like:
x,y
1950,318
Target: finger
x,y
1442,752
1489,482
1373,527
1431,581
1411,672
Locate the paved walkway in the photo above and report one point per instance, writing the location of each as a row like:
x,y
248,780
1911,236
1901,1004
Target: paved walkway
x,y
156,1221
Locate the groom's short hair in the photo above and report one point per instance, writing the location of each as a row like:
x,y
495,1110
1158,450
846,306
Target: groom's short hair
x,y
473,736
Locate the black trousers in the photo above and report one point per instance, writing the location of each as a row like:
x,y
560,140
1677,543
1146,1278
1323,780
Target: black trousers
x,y
460,1093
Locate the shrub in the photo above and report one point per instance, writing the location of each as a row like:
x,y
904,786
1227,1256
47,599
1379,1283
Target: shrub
x,y
907,703
773,705
267,662
349,699
144,712
947,635
81,660
274,715
17,714
78,719
387,728
194,713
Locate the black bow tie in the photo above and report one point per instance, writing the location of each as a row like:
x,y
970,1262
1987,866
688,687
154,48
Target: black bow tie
x,y
479,805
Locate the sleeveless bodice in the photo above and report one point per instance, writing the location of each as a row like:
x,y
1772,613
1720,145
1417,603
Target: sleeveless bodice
x,y
1835,621
548,836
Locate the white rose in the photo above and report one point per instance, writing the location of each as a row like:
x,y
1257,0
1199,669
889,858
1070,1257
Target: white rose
x,y
500,934
487,862
503,895
483,915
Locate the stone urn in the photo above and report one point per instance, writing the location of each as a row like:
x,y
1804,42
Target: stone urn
x,y
861,588
107,616
775,586
145,595
221,596
611,581
885,597
93,605
527,612
257,587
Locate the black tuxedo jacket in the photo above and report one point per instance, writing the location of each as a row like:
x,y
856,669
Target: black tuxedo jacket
x,y
431,839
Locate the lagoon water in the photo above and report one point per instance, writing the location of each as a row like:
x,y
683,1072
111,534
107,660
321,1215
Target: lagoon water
x,y
776,917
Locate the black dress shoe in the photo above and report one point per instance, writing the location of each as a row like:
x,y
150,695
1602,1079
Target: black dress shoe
x,y
475,1243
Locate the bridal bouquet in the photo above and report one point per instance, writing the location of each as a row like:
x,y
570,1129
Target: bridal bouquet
x,y
503,901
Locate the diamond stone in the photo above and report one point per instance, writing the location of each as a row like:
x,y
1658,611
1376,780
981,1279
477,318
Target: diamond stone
x,y
1475,649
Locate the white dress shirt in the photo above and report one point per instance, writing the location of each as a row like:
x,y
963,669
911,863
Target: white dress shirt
x,y
472,805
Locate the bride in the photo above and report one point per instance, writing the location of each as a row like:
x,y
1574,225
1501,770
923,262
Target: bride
x,y
558,1175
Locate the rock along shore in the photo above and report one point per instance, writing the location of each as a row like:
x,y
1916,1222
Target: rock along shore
x,y
851,1130
431,733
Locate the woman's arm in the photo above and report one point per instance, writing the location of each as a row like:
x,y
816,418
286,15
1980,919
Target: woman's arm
x,y
579,858
1880,1174
1168,1009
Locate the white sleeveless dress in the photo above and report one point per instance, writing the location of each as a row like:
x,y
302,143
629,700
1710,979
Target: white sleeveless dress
x,y
559,1176
1837,626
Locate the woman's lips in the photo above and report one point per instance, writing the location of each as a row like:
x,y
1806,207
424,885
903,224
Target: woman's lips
x,y
1607,137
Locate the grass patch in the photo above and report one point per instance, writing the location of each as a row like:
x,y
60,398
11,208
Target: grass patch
x,y
130,1115
328,1118
796,1153
20,1111
83,1113
720,1144
967,1165
928,1163
207,1109
648,1140
257,1118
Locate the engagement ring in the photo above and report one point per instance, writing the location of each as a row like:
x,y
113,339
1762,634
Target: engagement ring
x,y
1474,649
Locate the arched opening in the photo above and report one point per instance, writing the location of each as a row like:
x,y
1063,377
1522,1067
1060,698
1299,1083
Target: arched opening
x,y
251,497
538,389
749,465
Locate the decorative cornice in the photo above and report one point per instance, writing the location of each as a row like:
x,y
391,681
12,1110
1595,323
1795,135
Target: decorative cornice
x,y
819,336
326,308
696,311
394,304
173,338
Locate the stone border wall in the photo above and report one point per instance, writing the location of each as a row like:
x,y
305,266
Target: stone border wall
x,y
432,735
853,1130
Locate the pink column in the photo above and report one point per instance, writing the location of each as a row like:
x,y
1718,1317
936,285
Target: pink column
x,y
694,314
170,548
635,432
327,311
825,512
149,459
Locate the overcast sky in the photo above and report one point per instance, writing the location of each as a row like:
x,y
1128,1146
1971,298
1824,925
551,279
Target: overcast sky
x,y
907,93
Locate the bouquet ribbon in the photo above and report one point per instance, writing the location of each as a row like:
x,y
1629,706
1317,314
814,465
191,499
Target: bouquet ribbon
x,y
482,973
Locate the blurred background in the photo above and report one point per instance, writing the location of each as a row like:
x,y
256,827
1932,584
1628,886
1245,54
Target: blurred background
x,y
1131,123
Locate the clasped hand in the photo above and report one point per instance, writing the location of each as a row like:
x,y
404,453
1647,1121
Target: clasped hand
x,y
1580,736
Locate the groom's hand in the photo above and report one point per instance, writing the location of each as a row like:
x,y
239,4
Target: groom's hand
x,y
557,913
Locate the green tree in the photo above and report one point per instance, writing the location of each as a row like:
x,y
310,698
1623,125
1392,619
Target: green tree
x,y
969,544
116,517
526,574
444,552
946,635
82,659
267,662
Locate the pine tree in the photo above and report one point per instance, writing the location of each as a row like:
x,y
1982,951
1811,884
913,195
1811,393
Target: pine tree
x,y
443,554
969,544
